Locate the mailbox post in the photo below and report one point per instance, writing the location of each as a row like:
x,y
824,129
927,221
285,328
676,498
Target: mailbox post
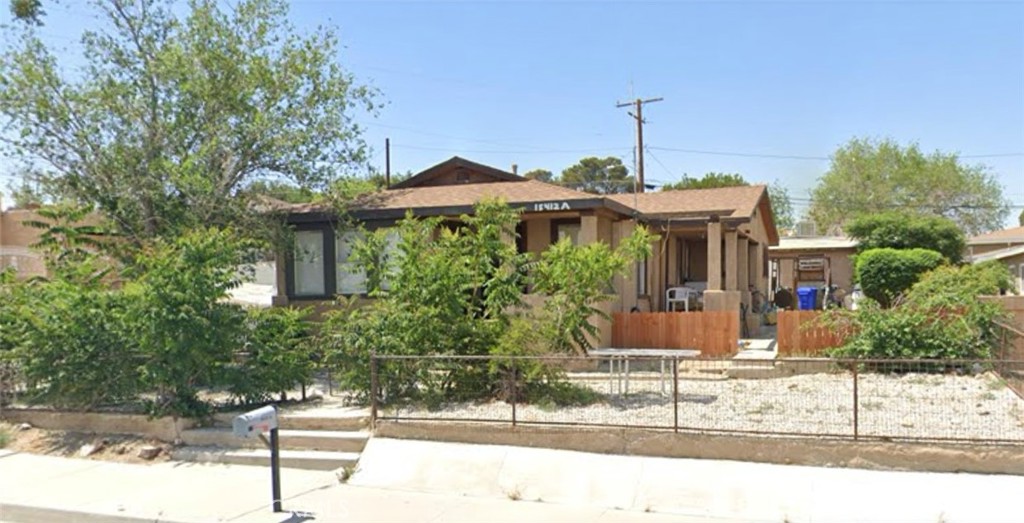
x,y
253,424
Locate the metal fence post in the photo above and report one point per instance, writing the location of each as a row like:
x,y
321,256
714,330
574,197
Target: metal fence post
x,y
374,390
513,390
675,395
856,403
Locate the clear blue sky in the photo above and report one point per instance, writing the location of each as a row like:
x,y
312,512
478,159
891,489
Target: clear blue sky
x,y
536,83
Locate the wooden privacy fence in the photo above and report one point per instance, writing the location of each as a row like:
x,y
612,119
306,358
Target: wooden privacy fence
x,y
799,334
714,333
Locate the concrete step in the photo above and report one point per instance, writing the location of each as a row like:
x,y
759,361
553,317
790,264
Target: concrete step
x,y
753,372
331,440
320,418
296,459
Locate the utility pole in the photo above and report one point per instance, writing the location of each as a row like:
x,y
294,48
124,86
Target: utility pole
x,y
639,117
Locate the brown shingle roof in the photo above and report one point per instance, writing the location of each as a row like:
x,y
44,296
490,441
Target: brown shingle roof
x,y
529,191
1011,235
726,202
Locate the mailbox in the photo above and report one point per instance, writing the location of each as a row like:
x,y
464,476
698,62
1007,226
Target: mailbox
x,y
255,422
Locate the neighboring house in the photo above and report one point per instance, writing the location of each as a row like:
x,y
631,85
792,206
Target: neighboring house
x,y
16,240
813,262
728,230
1006,246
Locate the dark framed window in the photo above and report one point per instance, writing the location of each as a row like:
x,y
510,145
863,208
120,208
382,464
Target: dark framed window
x,y
566,228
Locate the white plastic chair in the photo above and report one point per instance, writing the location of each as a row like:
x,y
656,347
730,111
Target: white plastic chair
x,y
676,295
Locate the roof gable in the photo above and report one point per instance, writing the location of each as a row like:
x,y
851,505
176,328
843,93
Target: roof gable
x,y
457,171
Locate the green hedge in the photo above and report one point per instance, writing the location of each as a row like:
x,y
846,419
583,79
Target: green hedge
x,y
941,317
884,274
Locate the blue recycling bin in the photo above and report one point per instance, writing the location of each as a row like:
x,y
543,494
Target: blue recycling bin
x,y
806,298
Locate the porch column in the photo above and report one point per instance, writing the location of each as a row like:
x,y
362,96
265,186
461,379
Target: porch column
x,y
625,285
759,269
730,261
714,255
743,265
588,230
280,298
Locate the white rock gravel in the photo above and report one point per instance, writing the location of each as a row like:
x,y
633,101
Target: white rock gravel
x,y
890,405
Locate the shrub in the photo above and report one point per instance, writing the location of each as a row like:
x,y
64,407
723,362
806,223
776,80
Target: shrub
x,y
277,355
901,230
74,346
884,274
185,331
459,292
940,318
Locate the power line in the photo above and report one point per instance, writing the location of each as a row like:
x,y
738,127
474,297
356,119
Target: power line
x,y
495,151
805,157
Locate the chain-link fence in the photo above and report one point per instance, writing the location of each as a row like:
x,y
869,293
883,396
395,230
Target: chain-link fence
x,y
938,400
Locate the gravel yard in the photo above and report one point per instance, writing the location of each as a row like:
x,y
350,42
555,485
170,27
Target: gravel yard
x,y
890,405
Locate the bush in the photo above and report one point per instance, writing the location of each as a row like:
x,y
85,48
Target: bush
x,y
277,355
940,318
884,274
176,313
459,292
74,346
900,230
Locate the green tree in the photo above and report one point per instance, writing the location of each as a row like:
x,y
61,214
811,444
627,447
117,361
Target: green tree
x,y
782,206
1020,219
599,175
177,314
28,11
69,243
541,175
172,115
903,230
884,274
870,176
710,180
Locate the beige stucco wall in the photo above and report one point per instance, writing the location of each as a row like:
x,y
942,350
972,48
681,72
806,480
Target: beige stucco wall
x,y
839,260
15,241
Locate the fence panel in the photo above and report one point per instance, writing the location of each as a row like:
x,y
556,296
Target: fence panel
x,y
714,333
799,334
864,399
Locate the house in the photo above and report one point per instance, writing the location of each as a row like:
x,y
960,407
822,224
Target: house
x,y
713,240
814,261
16,240
1006,246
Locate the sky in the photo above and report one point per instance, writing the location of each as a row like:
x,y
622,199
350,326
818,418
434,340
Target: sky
x,y
765,89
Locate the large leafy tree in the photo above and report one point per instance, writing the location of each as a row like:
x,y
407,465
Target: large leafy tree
x,y
870,176
172,115
782,206
599,175
902,230
541,175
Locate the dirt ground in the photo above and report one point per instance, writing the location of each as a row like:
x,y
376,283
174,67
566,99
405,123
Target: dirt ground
x,y
108,447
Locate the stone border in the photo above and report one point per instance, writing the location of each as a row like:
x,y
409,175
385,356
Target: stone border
x,y
164,429
923,457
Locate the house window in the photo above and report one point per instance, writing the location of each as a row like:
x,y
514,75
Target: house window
x,y
308,260
351,278
561,229
392,257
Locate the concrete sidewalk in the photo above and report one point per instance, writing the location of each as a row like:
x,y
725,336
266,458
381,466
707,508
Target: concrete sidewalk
x,y
414,481
55,490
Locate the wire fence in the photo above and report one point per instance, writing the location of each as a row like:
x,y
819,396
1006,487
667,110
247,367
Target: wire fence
x,y
862,399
